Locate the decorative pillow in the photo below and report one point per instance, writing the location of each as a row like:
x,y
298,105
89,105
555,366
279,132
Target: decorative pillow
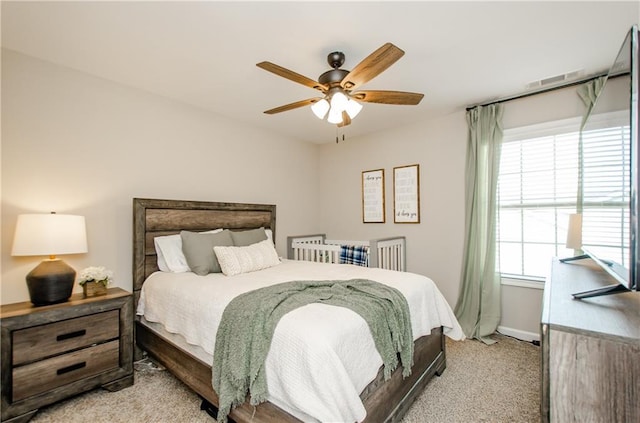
x,y
236,260
170,255
198,250
169,252
244,238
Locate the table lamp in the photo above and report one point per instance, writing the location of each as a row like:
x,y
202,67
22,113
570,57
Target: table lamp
x,y
574,238
52,234
574,233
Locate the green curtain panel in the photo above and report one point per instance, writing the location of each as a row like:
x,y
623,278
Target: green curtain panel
x,y
478,306
589,92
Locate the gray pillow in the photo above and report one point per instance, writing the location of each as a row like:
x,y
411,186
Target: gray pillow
x,y
245,238
198,250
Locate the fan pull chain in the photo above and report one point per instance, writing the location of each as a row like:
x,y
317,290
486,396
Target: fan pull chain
x,y
338,134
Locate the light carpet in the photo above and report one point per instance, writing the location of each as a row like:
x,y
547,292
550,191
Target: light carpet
x,y
482,383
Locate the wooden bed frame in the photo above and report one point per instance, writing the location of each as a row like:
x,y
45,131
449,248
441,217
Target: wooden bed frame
x,y
384,401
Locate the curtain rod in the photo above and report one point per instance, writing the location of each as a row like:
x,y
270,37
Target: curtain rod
x,y
545,90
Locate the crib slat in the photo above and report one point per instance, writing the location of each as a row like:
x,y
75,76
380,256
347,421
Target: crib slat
x,y
387,253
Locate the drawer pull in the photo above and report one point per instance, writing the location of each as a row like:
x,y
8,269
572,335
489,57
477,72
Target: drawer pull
x,y
72,368
71,335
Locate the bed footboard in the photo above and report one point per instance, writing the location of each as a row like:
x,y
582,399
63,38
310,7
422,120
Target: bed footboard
x,y
385,253
197,376
385,401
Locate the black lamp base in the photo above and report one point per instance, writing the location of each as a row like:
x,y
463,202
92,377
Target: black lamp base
x,y
51,282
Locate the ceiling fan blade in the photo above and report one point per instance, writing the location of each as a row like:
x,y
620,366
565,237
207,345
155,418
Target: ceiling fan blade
x,y
388,97
372,66
292,76
292,106
346,120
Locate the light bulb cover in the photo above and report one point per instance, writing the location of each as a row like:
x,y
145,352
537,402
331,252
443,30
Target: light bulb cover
x,y
339,102
335,116
320,108
353,108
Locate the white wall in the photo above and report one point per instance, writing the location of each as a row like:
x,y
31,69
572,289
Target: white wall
x,y
434,246
77,144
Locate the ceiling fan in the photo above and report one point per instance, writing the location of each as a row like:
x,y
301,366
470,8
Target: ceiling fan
x,y
341,97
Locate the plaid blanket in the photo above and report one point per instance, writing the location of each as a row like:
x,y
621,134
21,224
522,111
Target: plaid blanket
x,y
354,254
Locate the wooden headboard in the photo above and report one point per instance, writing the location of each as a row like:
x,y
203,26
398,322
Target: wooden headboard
x,y
153,218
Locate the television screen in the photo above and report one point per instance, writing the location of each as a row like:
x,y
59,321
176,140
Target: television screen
x,y
610,174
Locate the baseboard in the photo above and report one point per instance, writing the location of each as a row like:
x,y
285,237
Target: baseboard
x,y
519,334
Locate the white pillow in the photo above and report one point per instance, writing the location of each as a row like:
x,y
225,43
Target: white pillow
x,y
170,255
237,260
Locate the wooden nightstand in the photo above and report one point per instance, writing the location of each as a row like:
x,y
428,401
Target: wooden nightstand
x,y
52,352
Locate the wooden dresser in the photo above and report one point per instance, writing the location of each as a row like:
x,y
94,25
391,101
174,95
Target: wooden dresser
x,y
52,352
590,349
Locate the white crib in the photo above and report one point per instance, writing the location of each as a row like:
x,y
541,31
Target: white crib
x,y
385,253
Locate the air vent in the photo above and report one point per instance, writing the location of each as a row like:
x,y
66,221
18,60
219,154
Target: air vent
x,y
555,80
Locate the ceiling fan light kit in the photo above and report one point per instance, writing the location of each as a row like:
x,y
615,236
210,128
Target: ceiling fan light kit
x,y
339,103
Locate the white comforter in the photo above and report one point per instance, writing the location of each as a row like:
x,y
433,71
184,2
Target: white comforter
x,y
321,356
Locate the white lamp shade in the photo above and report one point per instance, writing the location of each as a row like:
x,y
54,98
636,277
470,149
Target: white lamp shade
x,y
320,108
353,108
49,235
574,233
335,116
339,103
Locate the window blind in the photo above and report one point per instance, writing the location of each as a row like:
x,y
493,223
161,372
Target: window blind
x,y
605,227
538,187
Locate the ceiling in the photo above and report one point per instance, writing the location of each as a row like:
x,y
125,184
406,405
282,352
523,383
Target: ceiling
x,y
204,53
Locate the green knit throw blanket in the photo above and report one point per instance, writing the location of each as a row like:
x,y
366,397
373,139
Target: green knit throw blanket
x,y
248,322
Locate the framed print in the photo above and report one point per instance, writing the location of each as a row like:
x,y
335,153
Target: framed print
x,y
406,194
373,196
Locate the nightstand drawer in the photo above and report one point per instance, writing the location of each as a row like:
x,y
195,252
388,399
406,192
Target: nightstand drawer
x,y
45,375
54,338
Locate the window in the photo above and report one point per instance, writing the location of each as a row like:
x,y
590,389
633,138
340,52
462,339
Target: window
x,y
605,228
538,186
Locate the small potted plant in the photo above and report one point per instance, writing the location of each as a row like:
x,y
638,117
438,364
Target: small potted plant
x,y
94,280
